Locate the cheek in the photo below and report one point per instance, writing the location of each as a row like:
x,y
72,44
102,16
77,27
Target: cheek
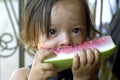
x,y
47,44
79,39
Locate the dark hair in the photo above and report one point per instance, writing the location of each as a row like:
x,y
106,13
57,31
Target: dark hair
x,y
37,14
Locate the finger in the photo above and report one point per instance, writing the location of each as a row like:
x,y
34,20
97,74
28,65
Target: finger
x,y
35,58
76,63
97,58
90,56
83,57
50,73
48,66
43,54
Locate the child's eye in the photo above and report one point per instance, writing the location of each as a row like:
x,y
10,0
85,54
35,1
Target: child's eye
x,y
52,31
76,30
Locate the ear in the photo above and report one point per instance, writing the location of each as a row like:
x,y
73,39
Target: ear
x,y
33,44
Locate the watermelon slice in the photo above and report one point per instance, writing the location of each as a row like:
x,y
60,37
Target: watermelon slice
x,y
64,57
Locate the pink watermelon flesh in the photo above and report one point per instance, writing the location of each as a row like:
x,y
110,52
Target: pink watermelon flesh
x,y
64,57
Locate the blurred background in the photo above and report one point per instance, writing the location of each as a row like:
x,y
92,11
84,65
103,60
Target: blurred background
x,y
12,53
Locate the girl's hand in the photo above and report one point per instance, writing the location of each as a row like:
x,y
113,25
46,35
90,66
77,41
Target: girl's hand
x,y
40,70
85,64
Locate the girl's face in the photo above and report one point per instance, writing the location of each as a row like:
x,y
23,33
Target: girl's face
x,y
68,26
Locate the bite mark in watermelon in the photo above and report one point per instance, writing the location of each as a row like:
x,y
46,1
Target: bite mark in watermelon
x,y
65,56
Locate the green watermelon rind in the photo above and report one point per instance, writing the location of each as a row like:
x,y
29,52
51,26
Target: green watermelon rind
x,y
108,53
67,63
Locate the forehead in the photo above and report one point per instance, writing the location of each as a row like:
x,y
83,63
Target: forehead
x,y
73,10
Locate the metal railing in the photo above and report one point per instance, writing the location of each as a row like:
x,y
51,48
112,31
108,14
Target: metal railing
x,y
4,44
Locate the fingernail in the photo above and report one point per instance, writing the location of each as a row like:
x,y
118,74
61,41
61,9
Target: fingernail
x,y
76,54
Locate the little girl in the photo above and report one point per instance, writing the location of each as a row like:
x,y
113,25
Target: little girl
x,y
58,24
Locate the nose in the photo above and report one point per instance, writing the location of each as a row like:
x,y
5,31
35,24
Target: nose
x,y
65,40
